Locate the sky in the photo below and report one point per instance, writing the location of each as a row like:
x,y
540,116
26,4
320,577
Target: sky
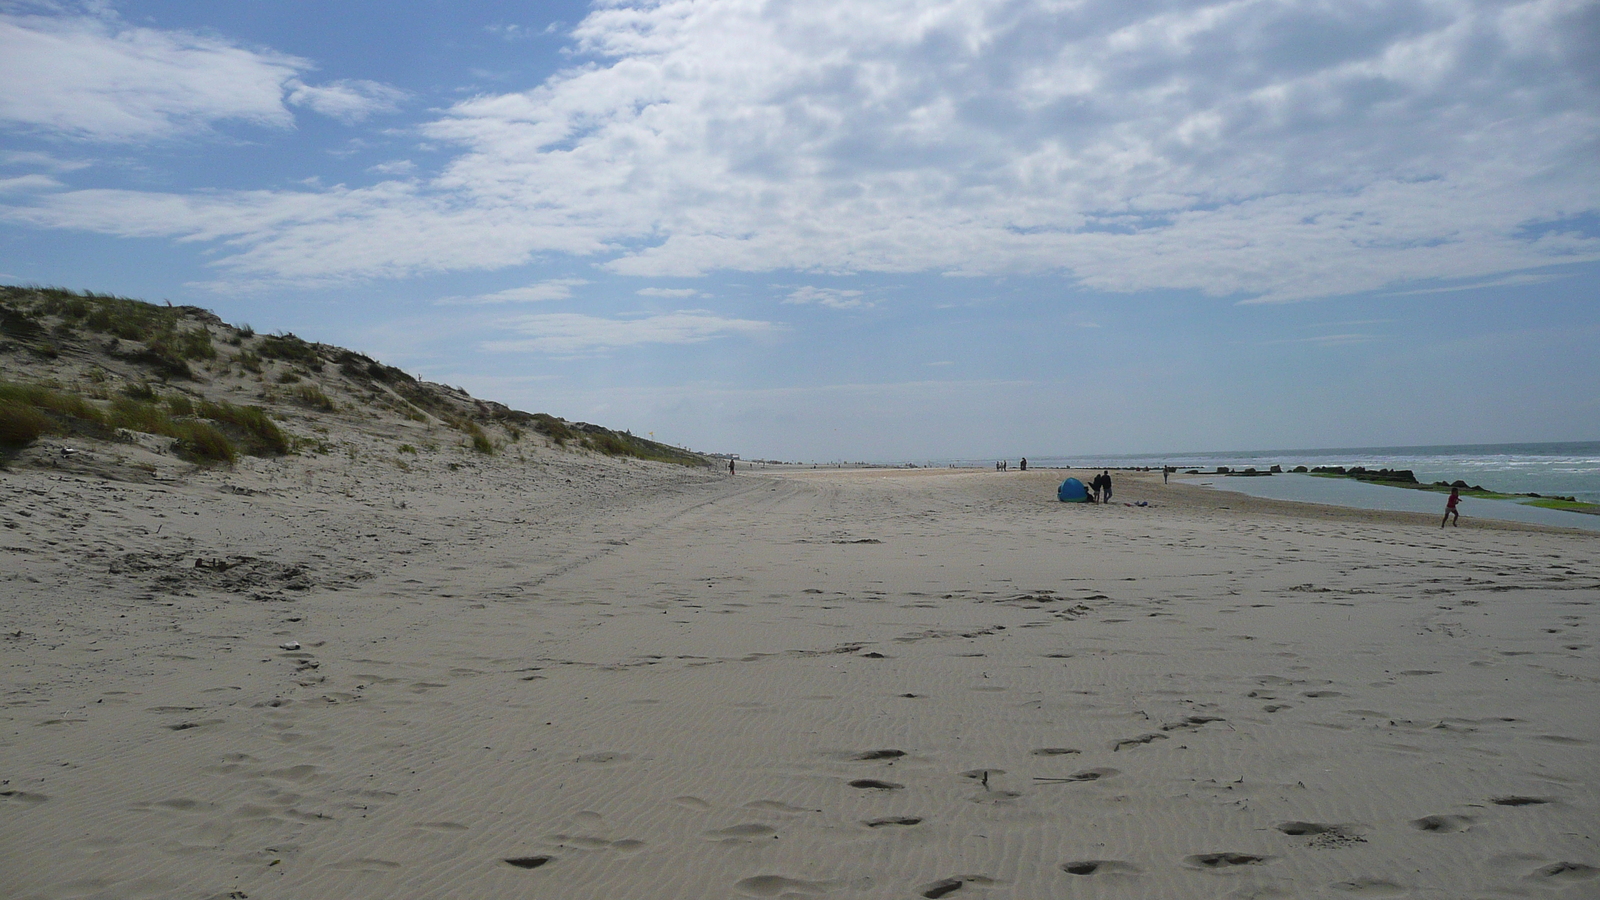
x,y
826,230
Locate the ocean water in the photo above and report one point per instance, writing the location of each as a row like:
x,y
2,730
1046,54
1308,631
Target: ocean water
x,y
1558,469
1365,495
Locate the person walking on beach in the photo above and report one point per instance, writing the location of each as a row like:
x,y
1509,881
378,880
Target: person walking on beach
x,y
1105,486
1024,464
730,467
1450,507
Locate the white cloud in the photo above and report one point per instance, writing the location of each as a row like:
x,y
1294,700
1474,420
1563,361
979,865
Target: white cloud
x,y
83,78
37,160
677,293
572,334
833,298
92,78
514,32
347,100
394,167
389,230
553,289
510,32
28,183
1270,151
1508,281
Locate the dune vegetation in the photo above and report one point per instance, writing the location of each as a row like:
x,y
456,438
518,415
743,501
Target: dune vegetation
x,y
100,368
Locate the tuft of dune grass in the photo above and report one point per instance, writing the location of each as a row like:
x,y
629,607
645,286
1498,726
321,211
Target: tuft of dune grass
x,y
204,441
40,397
195,439
261,433
313,397
28,411
21,424
480,440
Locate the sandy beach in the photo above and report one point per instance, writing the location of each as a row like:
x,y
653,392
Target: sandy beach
x,y
581,677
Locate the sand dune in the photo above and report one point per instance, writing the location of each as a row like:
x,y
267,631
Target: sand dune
x,y
592,678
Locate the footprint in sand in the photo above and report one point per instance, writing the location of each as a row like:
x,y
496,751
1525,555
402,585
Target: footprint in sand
x,y
1517,800
1566,871
779,806
1136,741
873,784
1305,829
528,862
185,726
778,885
1224,860
1099,867
946,886
893,820
1323,835
22,797
1077,777
880,754
1054,751
1191,723
1442,824
1371,887
744,832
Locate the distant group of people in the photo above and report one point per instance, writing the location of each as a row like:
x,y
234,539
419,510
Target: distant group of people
x,y
1004,465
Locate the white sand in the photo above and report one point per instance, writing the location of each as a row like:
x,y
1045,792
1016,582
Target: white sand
x,y
665,683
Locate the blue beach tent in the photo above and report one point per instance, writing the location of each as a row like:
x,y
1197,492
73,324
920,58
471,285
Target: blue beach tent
x,y
1072,491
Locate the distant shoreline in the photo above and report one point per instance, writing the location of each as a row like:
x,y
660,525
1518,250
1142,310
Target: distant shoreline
x,y
1353,493
1552,469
